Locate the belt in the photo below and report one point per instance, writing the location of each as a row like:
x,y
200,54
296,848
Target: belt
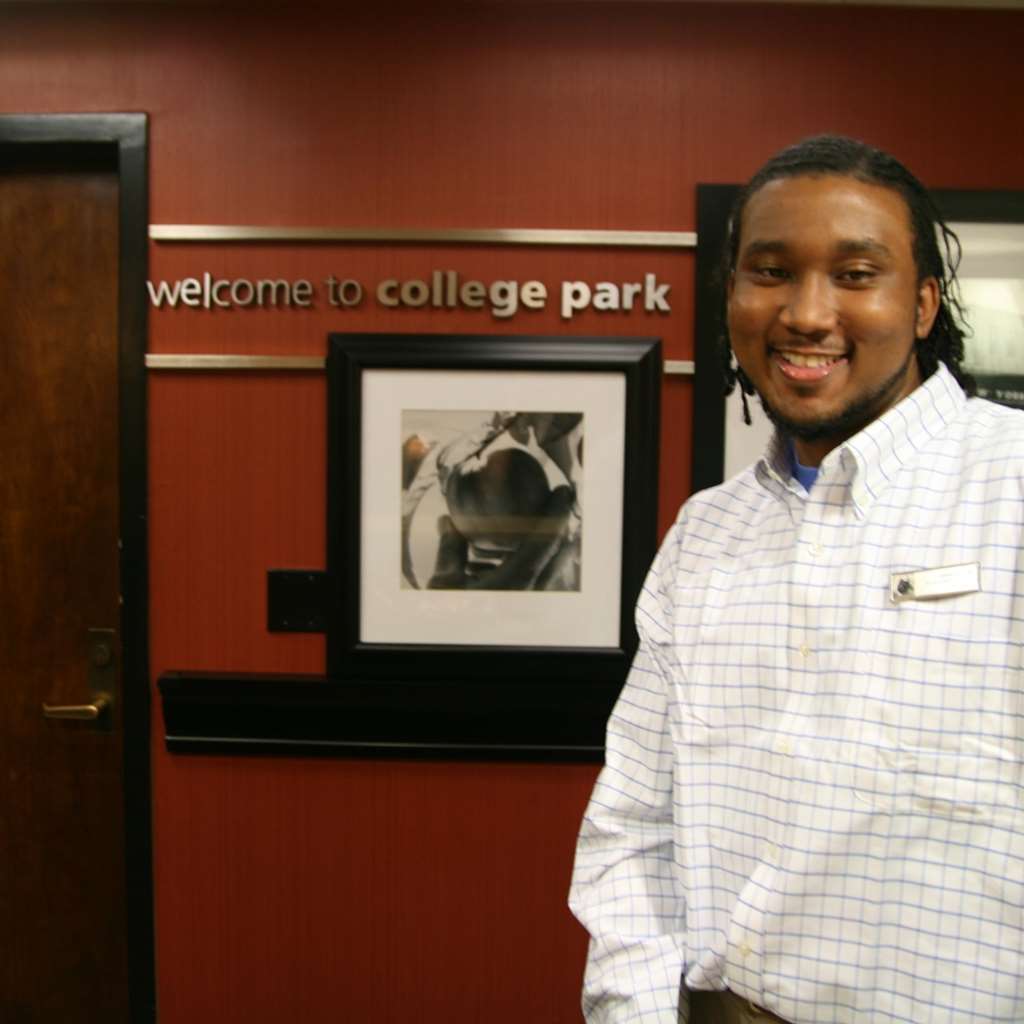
x,y
728,1008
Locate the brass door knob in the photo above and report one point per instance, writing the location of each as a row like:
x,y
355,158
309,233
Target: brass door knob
x,y
78,712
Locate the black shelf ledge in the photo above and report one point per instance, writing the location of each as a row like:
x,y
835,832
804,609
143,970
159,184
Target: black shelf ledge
x,y
308,715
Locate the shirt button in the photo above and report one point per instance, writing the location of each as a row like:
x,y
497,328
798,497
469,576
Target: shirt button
x,y
817,550
744,949
805,651
782,746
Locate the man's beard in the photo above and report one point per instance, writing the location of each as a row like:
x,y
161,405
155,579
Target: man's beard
x,y
847,422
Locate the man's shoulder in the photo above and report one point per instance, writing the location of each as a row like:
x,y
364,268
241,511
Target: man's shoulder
x,y
739,495
708,524
711,516
989,415
993,431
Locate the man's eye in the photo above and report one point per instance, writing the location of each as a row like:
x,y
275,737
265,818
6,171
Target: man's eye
x,y
771,272
857,275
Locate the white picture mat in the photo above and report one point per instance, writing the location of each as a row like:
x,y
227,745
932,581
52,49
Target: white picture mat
x,y
991,277
744,445
587,618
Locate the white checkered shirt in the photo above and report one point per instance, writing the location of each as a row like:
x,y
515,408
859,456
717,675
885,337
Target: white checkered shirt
x,y
812,794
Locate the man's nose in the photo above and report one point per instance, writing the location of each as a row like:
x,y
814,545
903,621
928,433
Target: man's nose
x,y
810,306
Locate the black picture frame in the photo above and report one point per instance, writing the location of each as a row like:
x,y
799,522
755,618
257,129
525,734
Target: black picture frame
x,y
572,669
714,205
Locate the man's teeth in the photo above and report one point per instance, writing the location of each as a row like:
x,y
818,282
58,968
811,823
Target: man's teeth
x,y
799,359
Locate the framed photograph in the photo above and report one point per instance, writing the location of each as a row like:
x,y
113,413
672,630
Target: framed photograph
x,y
491,505
990,225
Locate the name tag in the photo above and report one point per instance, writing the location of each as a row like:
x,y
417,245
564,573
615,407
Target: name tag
x,y
926,584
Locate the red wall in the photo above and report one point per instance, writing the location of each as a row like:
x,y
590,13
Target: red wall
x,y
374,891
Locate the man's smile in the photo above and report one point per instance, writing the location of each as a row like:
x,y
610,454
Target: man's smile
x,y
806,367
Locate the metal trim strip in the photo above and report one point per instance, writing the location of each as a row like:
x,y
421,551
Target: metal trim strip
x,y
235,363
177,361
478,236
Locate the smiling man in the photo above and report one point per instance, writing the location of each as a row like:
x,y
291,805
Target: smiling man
x,y
826,306
812,807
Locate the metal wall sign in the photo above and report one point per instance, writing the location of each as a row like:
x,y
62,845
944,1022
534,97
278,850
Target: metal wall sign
x,y
441,288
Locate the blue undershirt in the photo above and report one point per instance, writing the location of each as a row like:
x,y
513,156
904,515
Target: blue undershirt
x,y
806,475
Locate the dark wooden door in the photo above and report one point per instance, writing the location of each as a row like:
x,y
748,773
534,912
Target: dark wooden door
x,y
63,947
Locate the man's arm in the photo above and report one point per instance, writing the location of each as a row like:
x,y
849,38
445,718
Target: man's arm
x,y
625,890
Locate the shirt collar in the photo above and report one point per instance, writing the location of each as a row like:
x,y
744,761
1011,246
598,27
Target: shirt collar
x,y
876,454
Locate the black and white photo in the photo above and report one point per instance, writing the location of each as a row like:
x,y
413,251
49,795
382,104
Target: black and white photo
x,y
491,499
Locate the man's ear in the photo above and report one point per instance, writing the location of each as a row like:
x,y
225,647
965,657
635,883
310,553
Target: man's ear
x,y
927,307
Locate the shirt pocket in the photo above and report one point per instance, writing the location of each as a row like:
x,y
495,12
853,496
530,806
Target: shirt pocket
x,y
935,620
947,659
966,786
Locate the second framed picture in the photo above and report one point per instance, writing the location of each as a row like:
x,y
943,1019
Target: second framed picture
x,y
491,505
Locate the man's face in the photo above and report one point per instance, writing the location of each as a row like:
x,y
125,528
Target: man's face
x,y
825,305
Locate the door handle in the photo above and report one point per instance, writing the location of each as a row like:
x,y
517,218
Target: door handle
x,y
79,712
102,680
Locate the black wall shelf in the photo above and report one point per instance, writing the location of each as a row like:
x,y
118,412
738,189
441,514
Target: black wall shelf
x,y
308,715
